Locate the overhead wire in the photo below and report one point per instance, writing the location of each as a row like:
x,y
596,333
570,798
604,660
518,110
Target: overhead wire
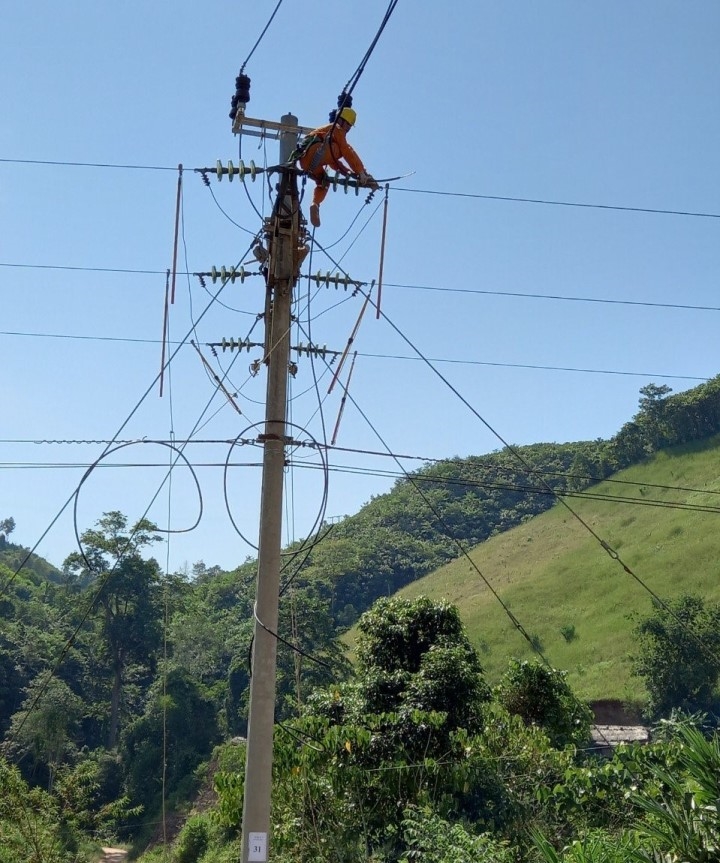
x,y
117,434
355,77
260,37
521,200
104,580
449,360
567,475
438,288
517,454
553,203
582,494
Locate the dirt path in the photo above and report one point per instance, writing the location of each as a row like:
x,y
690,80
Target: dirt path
x,y
114,855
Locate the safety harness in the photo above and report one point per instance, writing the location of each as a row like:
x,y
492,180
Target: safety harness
x,y
310,141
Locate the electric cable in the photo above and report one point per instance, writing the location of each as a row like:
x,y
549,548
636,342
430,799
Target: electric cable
x,y
247,191
260,37
360,232
438,288
117,434
379,356
350,226
580,494
559,203
203,285
590,478
226,372
535,647
323,504
226,214
355,77
293,647
610,551
547,202
571,299
299,567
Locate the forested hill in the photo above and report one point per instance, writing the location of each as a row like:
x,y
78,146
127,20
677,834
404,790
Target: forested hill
x,y
90,660
427,517
13,557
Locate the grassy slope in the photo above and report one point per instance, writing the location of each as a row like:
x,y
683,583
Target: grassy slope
x,y
553,573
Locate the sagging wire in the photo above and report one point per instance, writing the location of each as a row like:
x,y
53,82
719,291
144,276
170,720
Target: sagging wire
x,y
117,434
359,233
127,548
250,375
293,647
613,554
307,549
204,286
230,219
459,545
241,438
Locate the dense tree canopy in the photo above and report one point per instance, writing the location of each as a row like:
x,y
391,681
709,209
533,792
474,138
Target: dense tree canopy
x,y
679,656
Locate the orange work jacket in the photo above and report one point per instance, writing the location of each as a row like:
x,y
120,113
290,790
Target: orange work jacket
x,y
330,147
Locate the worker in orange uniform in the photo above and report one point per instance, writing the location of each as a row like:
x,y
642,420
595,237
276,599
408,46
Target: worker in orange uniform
x,y
327,146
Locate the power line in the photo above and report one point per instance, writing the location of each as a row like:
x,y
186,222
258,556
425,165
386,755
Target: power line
x,y
438,288
259,39
552,203
582,494
490,468
58,163
355,77
441,192
535,367
520,457
534,296
88,269
449,360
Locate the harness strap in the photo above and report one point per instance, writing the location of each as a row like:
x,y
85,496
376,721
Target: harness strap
x,y
304,146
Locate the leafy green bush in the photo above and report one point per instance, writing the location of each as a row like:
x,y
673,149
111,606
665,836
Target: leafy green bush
x,y
542,696
568,632
193,840
432,840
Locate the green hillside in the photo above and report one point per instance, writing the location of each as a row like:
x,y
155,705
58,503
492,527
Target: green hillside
x,y
554,575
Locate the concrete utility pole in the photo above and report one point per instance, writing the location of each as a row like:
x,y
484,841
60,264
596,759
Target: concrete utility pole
x,y
282,235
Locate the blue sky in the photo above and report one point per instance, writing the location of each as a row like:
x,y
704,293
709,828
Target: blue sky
x,y
611,103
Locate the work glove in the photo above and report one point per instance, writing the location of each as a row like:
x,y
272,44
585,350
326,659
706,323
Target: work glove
x,y
368,180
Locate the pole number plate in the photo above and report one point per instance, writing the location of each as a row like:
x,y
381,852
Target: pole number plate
x,y
257,852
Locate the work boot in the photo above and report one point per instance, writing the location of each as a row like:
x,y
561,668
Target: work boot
x,y
315,215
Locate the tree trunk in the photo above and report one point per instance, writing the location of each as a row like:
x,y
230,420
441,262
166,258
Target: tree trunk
x,y
115,704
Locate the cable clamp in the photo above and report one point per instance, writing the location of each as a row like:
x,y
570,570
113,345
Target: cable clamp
x,y
609,549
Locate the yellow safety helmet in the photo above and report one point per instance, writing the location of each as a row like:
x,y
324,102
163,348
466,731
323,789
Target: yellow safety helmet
x,y
348,115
